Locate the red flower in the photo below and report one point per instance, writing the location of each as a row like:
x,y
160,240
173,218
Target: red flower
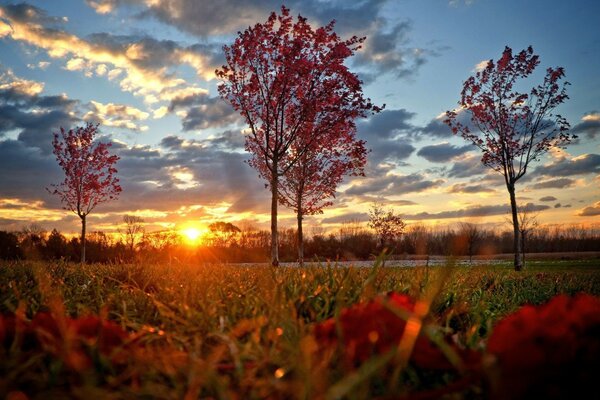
x,y
372,328
550,350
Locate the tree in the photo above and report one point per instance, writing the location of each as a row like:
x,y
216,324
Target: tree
x,y
223,232
291,86
469,236
528,222
134,230
386,224
90,173
310,184
512,129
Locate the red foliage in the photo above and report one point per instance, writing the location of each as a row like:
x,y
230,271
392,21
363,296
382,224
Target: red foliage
x,y
372,328
512,128
65,338
89,169
548,351
290,84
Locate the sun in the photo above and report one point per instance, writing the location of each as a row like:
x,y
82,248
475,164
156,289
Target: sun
x,y
191,234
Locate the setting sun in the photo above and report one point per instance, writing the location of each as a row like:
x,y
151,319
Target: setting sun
x,y
191,234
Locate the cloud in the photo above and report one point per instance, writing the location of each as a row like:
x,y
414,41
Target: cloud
x,y
560,183
475,211
144,66
465,188
589,125
442,152
548,198
355,216
387,135
584,164
393,184
468,167
24,110
387,49
200,111
116,115
590,211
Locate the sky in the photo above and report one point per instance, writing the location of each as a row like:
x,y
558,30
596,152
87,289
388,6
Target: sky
x,y
144,70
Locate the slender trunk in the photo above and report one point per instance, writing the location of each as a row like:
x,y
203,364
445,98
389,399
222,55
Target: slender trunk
x,y
300,238
523,236
83,239
517,233
274,234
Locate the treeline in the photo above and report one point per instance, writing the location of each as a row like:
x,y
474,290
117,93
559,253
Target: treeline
x,y
351,242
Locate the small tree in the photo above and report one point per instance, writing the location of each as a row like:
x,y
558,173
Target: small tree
x,y
512,128
470,237
290,84
387,225
310,184
223,233
89,173
528,222
134,230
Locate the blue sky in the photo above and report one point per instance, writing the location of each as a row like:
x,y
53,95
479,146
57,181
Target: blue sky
x,y
143,69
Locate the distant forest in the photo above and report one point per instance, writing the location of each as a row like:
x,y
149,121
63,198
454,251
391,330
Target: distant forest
x,y
350,242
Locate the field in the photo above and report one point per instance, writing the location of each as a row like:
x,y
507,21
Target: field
x,y
243,332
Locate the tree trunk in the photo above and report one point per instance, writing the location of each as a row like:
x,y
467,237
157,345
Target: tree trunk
x,y
516,231
300,238
83,239
523,237
274,233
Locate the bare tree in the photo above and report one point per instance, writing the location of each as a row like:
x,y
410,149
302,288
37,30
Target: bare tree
x,y
471,235
528,222
134,230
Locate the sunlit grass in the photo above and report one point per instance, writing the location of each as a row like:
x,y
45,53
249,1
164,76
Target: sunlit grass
x,y
227,331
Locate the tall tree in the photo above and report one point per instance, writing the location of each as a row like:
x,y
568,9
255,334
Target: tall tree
x,y
90,173
291,86
310,184
512,128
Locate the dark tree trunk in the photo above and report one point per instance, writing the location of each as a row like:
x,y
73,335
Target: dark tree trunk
x,y
516,231
300,238
274,233
83,239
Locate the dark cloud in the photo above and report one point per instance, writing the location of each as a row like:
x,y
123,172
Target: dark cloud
x,y
467,168
584,164
33,116
589,125
560,183
466,188
203,111
442,152
388,47
476,211
356,216
387,135
394,185
548,198
590,211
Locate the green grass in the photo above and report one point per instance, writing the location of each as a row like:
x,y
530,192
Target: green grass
x,y
197,318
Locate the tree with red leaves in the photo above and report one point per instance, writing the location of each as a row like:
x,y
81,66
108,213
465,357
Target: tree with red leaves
x,y
310,184
89,173
290,84
511,128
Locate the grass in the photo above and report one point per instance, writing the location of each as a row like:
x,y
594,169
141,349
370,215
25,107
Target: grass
x,y
226,331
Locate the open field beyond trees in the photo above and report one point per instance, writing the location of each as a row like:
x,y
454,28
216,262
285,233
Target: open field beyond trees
x,y
241,332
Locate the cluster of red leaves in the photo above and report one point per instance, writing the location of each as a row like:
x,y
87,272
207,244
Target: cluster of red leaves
x,y
373,328
548,351
74,341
